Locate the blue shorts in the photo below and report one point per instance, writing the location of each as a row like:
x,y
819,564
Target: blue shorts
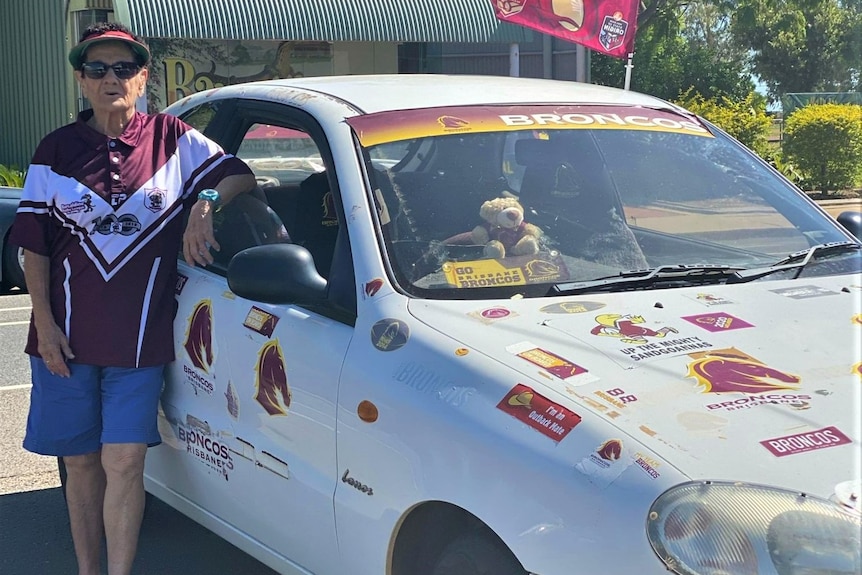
x,y
75,415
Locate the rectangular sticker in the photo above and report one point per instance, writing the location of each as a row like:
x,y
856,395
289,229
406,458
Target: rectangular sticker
x,y
717,321
549,362
808,441
260,321
803,292
540,413
513,270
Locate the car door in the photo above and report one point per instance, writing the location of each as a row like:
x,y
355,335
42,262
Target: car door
x,y
250,402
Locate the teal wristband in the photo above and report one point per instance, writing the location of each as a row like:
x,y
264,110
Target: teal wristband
x,y
210,195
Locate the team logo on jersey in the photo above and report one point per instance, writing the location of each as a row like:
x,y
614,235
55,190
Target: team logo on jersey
x,y
84,205
125,225
155,199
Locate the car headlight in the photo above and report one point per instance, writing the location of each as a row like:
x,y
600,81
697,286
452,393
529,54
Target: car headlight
x,y
722,528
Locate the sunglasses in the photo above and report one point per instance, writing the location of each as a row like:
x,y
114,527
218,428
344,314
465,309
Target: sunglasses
x,y
98,70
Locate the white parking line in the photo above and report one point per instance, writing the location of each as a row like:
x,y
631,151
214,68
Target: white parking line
x,y
25,322
15,308
14,387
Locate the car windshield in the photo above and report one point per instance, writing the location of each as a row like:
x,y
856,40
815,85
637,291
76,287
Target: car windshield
x,y
604,191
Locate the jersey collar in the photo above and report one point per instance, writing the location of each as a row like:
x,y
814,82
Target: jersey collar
x,y
131,135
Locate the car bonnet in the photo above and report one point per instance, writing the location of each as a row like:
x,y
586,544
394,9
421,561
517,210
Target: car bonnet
x,y
758,382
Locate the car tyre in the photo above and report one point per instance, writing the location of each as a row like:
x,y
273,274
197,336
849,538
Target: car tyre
x,y
476,553
13,271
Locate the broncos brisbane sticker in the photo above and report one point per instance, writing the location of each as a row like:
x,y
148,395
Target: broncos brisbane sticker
x,y
200,349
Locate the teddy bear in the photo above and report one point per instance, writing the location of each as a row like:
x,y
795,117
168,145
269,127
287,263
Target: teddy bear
x,y
504,231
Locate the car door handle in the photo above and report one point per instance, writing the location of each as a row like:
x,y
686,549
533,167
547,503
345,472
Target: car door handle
x,y
272,463
242,448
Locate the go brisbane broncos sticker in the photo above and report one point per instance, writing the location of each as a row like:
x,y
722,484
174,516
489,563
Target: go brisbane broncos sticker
x,y
199,348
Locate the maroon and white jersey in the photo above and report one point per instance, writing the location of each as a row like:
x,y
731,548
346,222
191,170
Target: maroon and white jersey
x,y
109,214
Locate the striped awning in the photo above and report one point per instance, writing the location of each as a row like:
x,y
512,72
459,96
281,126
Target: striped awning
x,y
319,20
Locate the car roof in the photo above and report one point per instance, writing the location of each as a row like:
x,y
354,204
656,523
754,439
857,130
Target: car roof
x,y
382,92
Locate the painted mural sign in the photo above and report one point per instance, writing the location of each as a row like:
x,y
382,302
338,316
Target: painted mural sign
x,y
181,67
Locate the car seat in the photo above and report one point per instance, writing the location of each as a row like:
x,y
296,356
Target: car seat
x,y
567,192
316,223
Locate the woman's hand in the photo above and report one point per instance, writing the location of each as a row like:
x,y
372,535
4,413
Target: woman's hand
x,y
54,349
199,237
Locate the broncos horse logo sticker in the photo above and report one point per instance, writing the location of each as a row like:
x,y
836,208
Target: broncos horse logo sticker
x,y
730,370
273,393
199,336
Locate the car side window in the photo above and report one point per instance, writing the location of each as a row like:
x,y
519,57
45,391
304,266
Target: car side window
x,y
292,177
200,117
245,222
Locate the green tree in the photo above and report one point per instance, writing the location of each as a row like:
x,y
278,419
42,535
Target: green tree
x,y
689,49
801,45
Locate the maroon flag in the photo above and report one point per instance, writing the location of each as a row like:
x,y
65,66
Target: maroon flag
x,y
606,26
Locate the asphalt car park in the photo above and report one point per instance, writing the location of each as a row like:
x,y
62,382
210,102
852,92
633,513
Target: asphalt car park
x,y
480,324
34,528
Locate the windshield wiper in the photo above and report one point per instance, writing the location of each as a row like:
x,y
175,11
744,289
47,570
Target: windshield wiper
x,y
795,261
668,276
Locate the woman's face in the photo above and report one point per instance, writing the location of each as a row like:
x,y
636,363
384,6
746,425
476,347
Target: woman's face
x,y
110,94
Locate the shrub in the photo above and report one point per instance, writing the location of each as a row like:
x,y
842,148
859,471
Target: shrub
x,y
746,120
11,176
825,142
788,169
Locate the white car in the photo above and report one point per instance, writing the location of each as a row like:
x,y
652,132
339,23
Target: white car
x,y
11,256
643,355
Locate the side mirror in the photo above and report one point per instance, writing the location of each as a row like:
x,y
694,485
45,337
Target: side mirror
x,y
276,273
852,222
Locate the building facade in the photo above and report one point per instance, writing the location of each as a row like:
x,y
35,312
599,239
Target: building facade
x,y
200,44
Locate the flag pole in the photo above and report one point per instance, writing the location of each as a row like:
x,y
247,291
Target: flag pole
x,y
581,63
629,67
514,60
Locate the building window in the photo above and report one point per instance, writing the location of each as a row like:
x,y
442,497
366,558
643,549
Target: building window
x,y
85,18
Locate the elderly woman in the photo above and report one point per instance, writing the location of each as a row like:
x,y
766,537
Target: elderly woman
x,y
101,221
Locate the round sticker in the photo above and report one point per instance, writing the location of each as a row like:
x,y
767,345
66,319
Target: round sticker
x,y
495,312
389,334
